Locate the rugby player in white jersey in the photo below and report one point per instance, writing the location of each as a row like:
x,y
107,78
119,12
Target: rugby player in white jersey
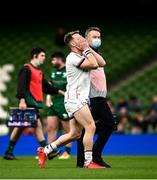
x,y
78,65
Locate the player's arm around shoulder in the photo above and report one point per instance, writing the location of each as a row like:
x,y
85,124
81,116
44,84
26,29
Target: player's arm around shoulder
x,y
100,60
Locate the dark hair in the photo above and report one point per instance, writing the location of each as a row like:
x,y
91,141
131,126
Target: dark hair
x,y
92,29
36,51
58,55
68,37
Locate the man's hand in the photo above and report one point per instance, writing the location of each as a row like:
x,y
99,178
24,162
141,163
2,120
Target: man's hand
x,y
61,92
83,44
22,104
49,101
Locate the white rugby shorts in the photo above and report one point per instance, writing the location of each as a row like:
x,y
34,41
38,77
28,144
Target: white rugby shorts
x,y
72,106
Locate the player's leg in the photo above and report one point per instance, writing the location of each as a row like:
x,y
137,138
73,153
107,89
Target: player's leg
x,y
75,132
66,128
39,134
52,128
41,139
84,117
16,133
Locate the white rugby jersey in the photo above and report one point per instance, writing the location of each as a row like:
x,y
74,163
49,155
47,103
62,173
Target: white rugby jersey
x,y
78,80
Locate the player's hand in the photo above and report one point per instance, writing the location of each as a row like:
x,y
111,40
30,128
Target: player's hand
x,y
22,104
49,101
61,92
83,44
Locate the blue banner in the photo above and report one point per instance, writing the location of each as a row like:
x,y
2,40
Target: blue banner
x,y
145,144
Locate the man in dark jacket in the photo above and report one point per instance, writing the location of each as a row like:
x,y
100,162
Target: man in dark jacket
x,y
99,108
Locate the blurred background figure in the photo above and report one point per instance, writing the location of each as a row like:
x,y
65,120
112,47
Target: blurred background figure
x,y
152,114
138,125
134,103
123,120
122,105
56,113
59,37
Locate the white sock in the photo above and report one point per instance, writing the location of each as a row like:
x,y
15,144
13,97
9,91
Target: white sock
x,y
49,148
88,157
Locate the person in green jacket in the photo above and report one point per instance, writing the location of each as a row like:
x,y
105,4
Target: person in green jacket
x,y
56,112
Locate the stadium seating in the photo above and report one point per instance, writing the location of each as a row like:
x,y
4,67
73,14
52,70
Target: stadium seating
x,y
125,47
142,86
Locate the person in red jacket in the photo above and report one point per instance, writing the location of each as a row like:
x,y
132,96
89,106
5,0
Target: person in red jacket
x,y
30,88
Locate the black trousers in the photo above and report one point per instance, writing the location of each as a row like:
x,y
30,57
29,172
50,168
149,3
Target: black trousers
x,y
104,127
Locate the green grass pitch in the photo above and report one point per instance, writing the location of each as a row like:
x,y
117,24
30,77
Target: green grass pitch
x,y
123,167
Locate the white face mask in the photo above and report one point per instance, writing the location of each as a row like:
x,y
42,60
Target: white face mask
x,y
96,43
38,63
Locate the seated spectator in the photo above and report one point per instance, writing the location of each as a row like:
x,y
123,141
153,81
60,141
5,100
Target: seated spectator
x,y
138,124
123,124
122,103
152,114
153,105
123,120
134,103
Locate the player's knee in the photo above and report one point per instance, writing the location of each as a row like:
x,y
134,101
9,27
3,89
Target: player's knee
x,y
75,135
66,130
91,128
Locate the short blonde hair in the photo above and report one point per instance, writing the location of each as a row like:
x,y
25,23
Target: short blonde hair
x,y
68,37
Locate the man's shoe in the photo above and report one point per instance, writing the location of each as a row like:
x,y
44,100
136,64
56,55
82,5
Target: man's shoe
x,y
65,155
101,162
93,165
79,166
41,157
9,156
54,154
